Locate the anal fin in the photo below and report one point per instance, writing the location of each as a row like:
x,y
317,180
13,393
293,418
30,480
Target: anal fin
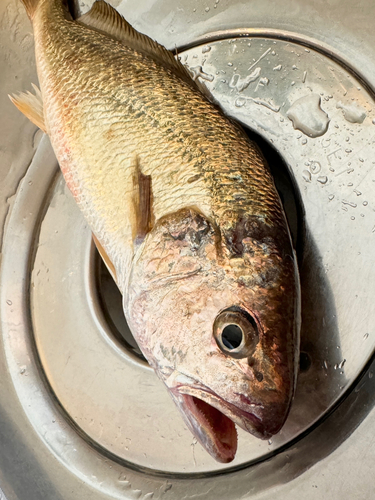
x,y
31,106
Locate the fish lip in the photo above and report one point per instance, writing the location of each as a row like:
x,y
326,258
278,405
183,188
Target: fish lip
x,y
215,431
248,421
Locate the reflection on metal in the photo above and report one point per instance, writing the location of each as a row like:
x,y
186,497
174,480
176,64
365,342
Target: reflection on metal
x,y
78,379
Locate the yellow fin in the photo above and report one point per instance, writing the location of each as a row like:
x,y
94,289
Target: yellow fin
x,y
104,18
30,6
143,217
106,259
31,106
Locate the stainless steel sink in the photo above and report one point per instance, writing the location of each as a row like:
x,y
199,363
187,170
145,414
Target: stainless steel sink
x,y
81,413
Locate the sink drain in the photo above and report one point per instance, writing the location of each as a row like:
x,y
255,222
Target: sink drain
x,y
66,341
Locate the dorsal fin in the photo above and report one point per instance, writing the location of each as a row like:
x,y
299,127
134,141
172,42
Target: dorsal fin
x,y
31,106
104,18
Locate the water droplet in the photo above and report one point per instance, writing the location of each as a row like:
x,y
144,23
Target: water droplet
x,y
242,83
230,64
358,193
348,150
199,73
239,102
277,68
336,366
331,196
308,117
30,183
270,442
370,374
323,179
306,175
352,217
366,336
362,215
352,112
206,49
315,167
341,365
292,84
365,203
304,142
325,364
207,9
9,302
294,66
373,121
22,370
350,203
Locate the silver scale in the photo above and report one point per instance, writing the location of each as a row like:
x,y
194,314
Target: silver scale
x,y
88,399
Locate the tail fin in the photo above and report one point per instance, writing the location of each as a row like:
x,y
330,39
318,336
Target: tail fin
x,y
30,6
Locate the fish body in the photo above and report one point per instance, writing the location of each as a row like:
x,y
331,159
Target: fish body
x,y
185,213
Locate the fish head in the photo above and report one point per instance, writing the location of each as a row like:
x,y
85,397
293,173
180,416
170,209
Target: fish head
x,y
218,325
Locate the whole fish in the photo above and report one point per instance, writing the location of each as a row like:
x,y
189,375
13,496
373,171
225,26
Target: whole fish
x,y
184,212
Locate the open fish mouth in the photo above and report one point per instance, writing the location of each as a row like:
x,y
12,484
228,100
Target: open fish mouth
x,y
212,421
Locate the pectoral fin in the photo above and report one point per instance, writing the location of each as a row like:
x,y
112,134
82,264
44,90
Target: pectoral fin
x,y
142,216
31,106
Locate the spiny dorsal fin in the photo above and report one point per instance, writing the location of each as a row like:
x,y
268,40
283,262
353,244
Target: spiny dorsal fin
x,y
143,217
103,17
31,106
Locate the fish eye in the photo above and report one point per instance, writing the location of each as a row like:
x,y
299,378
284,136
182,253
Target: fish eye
x,y
236,332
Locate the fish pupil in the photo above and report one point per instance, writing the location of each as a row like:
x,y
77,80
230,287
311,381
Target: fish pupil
x,y
232,336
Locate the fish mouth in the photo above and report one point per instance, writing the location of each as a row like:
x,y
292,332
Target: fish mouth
x,y
213,422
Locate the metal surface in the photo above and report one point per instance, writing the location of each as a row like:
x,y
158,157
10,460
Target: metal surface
x,y
88,438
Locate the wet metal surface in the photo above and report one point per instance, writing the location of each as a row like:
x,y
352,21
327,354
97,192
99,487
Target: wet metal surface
x,y
88,416
287,93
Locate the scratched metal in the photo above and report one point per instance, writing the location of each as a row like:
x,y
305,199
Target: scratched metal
x,y
48,290
287,93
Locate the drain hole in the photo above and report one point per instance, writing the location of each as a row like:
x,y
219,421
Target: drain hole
x,y
304,362
110,300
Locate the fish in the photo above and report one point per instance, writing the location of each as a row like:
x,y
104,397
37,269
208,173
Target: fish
x,y
185,214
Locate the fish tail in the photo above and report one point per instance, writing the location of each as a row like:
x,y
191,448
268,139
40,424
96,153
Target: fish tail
x,y
30,6
55,7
